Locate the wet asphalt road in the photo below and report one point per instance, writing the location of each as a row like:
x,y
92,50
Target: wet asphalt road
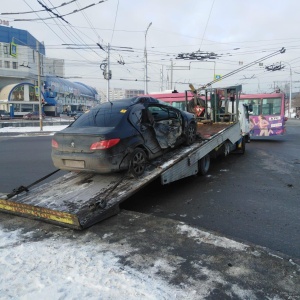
x,y
253,197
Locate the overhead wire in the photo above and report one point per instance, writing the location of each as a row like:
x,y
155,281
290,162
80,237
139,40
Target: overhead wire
x,y
132,60
36,11
113,31
112,50
51,28
206,24
90,24
76,36
61,16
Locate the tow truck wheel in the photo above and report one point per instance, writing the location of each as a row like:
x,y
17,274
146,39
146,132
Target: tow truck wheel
x,y
243,146
204,164
138,162
190,134
248,138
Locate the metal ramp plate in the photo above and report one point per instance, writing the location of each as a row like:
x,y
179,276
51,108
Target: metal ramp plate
x,y
71,200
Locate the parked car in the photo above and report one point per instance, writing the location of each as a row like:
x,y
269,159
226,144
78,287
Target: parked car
x,y
72,113
4,115
35,115
78,115
121,135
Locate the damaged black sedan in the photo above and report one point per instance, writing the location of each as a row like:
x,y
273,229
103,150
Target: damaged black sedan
x,y
122,135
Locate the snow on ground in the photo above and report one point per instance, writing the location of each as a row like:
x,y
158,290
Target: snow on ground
x,y
59,268
83,267
64,269
205,237
33,129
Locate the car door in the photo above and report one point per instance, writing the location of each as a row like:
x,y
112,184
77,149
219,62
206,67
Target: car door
x,y
167,124
139,117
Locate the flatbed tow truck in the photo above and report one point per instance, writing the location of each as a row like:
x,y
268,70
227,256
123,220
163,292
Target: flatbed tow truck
x,y
79,200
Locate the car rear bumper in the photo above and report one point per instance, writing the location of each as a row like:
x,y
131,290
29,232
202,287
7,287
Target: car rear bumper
x,y
93,162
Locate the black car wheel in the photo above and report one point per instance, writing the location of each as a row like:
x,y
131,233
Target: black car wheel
x,y
138,162
190,134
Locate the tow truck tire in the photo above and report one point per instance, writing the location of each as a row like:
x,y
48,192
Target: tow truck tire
x,y
248,138
138,162
242,150
243,146
191,134
204,164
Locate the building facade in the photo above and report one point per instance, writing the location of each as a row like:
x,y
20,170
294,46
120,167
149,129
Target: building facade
x,y
118,93
23,64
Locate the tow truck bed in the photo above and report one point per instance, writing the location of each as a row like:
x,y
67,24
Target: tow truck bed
x,y
79,200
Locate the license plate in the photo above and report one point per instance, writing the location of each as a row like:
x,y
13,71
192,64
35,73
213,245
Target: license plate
x,y
74,163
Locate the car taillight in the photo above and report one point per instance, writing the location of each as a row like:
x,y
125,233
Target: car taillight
x,y
104,144
54,144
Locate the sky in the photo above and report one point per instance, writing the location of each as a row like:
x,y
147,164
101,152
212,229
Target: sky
x,y
238,33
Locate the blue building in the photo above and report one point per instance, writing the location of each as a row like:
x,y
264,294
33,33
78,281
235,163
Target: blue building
x,y
21,56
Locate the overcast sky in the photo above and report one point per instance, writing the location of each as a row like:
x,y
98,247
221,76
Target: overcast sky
x,y
239,32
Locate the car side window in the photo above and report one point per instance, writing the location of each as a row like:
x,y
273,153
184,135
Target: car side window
x,y
162,113
158,113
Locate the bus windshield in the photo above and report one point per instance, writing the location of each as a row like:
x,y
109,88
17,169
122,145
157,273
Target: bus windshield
x,y
270,106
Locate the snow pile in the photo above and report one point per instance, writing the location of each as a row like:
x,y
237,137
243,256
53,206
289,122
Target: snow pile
x,y
33,129
59,268
209,238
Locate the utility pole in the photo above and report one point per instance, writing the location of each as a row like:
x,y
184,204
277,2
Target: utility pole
x,y
162,78
108,72
171,84
105,67
290,97
146,60
39,86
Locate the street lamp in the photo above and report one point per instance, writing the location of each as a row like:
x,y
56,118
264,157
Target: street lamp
x,y
280,67
146,62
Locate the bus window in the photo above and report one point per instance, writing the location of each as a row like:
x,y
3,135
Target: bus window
x,y
256,105
271,106
179,105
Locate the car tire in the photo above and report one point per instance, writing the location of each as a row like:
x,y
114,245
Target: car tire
x,y
190,134
138,161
